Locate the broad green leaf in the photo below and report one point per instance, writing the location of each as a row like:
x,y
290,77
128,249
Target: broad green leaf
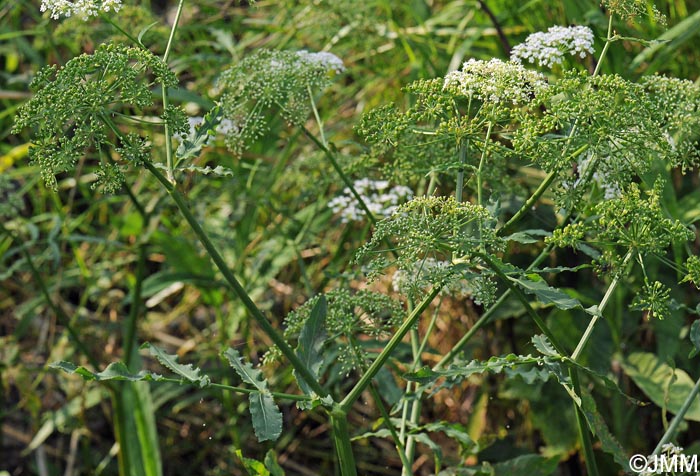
x,y
665,386
455,431
188,372
311,340
272,465
267,418
534,284
695,338
252,466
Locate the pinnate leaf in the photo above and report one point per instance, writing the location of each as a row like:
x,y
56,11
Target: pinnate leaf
x,y
188,372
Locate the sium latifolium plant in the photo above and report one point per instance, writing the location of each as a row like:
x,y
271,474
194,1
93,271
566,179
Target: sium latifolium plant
x,y
599,143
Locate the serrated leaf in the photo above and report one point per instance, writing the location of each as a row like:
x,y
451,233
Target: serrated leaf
x,y
543,346
188,372
695,338
534,284
267,418
423,376
596,423
192,145
219,170
311,340
245,370
114,371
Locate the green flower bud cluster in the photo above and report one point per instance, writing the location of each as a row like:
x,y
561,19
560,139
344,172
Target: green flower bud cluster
x,y
267,81
76,108
350,314
634,221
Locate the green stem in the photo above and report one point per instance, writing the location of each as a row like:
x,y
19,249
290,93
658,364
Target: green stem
x,y
281,396
603,303
540,191
673,427
318,118
479,171
381,359
170,166
346,180
584,434
463,149
341,440
411,441
608,40
218,260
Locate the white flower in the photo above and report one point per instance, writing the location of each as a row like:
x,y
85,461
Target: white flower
x,y
671,449
495,81
81,8
548,48
381,200
327,60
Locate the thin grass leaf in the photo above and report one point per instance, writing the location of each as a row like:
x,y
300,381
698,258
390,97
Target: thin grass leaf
x,y
135,430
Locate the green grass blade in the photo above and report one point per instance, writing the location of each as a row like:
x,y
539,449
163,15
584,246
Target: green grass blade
x,y
135,430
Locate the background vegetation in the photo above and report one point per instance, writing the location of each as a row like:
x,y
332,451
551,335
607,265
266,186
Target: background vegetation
x,y
69,259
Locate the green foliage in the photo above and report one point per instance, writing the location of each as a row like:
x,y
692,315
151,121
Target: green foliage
x,y
267,418
508,168
634,221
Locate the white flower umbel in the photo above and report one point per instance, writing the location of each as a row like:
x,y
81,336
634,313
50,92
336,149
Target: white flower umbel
x,y
79,8
549,48
327,60
495,81
381,199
